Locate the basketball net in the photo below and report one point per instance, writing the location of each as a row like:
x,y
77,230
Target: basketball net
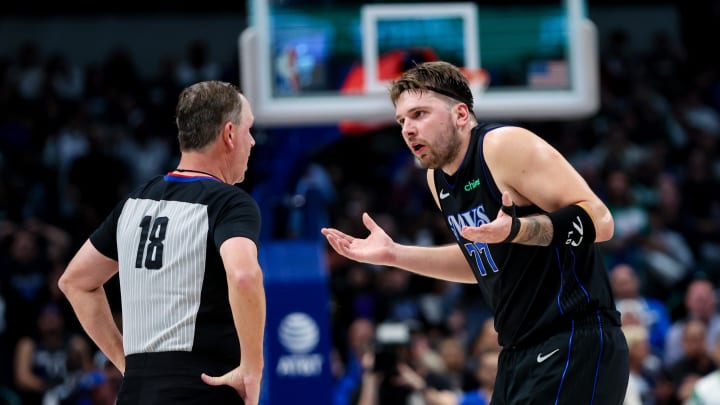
x,y
478,79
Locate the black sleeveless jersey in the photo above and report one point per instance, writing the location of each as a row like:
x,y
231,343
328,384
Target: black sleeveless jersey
x,y
533,291
166,237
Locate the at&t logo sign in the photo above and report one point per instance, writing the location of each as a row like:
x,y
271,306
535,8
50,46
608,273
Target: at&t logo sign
x,y
299,334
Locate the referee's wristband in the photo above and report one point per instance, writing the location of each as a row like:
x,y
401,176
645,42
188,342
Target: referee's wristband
x,y
572,225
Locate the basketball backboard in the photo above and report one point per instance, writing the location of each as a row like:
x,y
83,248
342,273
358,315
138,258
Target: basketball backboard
x,y
318,62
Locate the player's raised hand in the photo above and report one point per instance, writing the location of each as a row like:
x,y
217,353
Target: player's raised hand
x,y
496,231
376,248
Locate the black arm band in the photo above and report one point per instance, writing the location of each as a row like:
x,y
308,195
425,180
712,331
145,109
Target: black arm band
x,y
572,225
515,226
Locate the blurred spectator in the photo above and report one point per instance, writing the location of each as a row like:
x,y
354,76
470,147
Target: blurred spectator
x,y
64,79
119,76
144,153
27,74
643,370
353,298
40,358
84,384
615,151
651,313
701,119
649,122
114,381
408,199
197,65
484,340
387,377
402,368
425,357
396,300
485,374
632,223
93,199
309,207
96,98
701,207
436,299
62,147
695,360
700,304
619,66
706,390
115,89
31,252
666,253
664,392
360,339
456,323
665,62
111,374
452,353
160,95
5,352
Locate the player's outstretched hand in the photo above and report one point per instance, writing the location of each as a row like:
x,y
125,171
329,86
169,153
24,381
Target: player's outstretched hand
x,y
246,384
495,231
376,248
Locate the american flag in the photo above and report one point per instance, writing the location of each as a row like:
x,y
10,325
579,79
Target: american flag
x,y
548,74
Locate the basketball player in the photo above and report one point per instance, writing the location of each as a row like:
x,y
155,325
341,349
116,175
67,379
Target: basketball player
x,y
185,245
526,226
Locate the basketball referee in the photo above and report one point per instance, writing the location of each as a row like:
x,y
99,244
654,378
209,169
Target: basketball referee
x,y
185,245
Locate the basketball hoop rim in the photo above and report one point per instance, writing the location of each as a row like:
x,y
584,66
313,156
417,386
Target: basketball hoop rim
x,y
478,78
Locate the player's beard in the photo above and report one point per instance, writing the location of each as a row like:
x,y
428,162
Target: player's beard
x,y
443,151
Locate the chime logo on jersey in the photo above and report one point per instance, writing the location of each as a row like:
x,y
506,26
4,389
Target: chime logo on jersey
x,y
473,217
472,184
299,334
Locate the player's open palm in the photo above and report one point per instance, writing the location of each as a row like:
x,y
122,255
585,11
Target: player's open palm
x,y
494,232
374,249
246,384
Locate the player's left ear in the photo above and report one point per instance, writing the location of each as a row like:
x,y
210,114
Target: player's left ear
x,y
462,113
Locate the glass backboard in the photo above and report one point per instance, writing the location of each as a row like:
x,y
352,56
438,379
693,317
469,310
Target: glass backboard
x,y
322,62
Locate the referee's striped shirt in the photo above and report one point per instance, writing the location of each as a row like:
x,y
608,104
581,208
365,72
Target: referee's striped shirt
x,y
166,237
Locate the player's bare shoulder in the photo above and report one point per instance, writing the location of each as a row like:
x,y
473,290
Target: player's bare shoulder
x,y
515,146
504,147
508,139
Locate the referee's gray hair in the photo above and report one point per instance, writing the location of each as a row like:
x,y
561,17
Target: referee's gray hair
x,y
203,109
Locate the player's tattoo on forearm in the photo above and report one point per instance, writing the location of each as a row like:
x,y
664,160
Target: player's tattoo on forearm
x,y
535,231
